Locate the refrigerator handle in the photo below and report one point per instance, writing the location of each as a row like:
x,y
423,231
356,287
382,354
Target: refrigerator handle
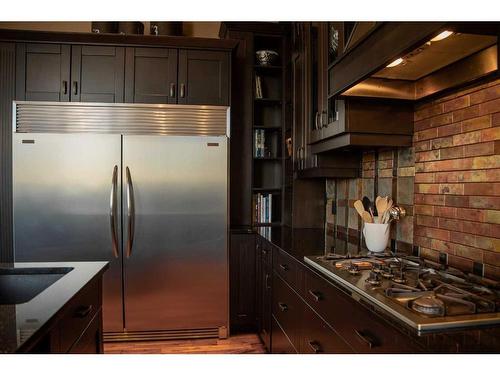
x,y
130,213
113,211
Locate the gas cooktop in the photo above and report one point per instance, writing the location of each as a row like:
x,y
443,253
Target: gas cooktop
x,y
425,298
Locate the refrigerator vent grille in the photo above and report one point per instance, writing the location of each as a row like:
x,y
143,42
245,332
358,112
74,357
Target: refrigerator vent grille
x,y
160,119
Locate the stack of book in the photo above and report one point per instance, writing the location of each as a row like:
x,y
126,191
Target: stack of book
x,y
259,140
263,204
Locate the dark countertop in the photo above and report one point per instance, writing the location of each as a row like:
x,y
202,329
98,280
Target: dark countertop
x,y
20,324
297,242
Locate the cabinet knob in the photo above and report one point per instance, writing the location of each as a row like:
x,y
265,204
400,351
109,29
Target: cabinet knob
x,y
182,93
317,296
365,338
283,306
172,90
75,88
84,311
284,267
315,346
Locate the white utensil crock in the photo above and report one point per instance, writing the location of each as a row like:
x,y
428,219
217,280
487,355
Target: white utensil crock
x,y
376,236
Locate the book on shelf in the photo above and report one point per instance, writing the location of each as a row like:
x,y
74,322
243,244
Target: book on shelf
x,y
258,87
263,207
259,143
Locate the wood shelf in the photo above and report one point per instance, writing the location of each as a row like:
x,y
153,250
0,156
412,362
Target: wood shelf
x,y
269,127
274,224
268,101
267,158
271,68
266,190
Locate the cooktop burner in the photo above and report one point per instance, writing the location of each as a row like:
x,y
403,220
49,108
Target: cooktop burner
x,y
426,297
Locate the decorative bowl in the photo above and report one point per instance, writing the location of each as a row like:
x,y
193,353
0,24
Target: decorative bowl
x,y
266,56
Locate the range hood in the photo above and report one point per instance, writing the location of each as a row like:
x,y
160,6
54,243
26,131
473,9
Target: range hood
x,y
412,60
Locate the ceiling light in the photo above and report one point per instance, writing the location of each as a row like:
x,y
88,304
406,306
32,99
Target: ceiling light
x,y
395,63
441,36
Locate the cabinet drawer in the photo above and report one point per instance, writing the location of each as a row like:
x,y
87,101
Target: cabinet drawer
x,y
90,341
317,337
287,309
280,343
78,314
362,329
285,266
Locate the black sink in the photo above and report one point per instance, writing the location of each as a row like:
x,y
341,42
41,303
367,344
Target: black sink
x,y
20,285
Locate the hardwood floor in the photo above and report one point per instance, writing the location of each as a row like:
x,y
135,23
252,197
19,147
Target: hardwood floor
x,y
237,344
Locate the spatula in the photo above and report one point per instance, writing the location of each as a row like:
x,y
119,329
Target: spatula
x,y
381,204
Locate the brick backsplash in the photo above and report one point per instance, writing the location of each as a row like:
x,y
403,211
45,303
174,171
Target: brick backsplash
x,y
448,182
457,178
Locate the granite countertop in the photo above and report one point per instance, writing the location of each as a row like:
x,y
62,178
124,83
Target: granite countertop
x,y
20,323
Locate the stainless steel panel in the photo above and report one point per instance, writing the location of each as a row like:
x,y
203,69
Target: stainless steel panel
x,y
62,185
176,275
161,119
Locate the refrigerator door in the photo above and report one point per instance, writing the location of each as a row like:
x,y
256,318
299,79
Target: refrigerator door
x,y
175,232
66,205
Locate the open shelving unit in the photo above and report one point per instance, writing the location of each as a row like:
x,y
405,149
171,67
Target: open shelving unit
x,y
268,113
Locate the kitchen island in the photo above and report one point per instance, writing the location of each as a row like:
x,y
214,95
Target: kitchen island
x,y
303,310
53,307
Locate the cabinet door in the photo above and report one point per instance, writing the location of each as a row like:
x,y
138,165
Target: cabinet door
x,y
203,77
242,281
97,74
42,72
298,100
265,330
151,75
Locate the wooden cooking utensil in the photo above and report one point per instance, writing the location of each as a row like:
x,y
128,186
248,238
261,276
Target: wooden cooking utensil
x,y
358,205
381,204
367,217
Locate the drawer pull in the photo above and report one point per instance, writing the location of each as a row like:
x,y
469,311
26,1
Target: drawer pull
x,y
264,252
284,267
267,281
84,311
316,295
315,346
366,339
282,306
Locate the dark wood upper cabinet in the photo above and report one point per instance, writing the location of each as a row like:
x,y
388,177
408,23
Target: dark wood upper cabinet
x,y
43,72
61,72
151,75
203,77
97,74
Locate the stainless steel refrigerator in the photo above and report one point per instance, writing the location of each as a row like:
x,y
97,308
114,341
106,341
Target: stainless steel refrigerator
x,y
142,186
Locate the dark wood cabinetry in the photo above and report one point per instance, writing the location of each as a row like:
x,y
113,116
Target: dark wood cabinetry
x,y
61,72
97,74
312,315
242,281
77,328
264,290
43,72
116,74
203,77
151,75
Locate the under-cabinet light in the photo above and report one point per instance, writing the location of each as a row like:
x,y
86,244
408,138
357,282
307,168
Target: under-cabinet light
x,y
395,63
445,34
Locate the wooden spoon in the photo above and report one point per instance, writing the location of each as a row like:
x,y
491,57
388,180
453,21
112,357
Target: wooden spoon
x,y
381,204
358,205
